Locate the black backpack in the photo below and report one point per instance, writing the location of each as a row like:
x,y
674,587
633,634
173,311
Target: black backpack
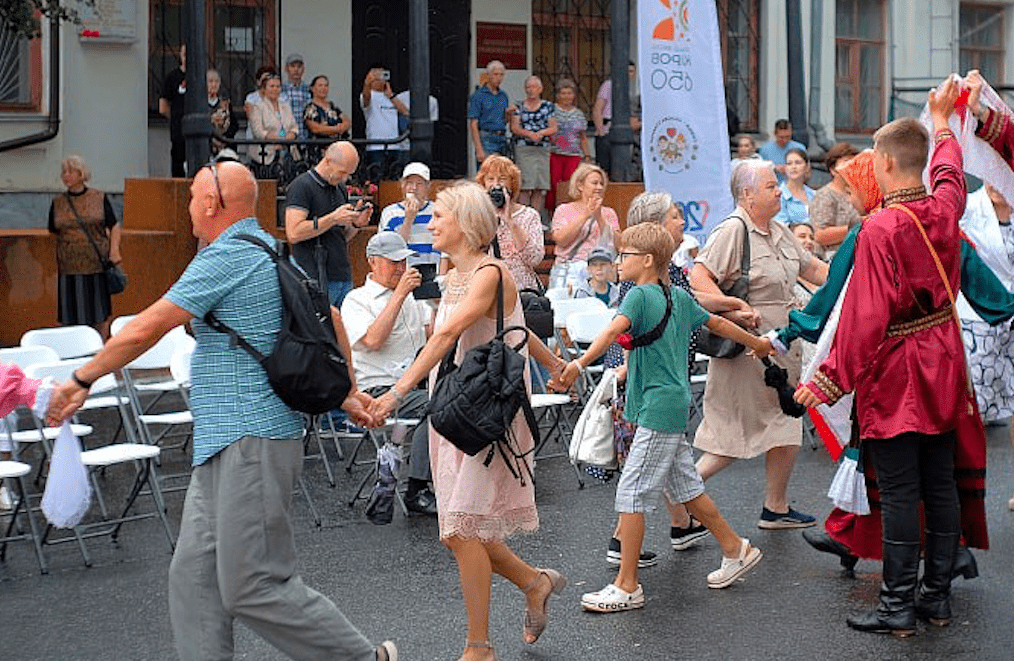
x,y
305,369
473,405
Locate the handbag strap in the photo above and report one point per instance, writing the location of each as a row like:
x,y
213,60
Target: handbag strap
x,y
947,285
577,246
744,262
98,253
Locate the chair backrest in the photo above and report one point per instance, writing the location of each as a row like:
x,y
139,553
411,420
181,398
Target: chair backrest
x,y
67,341
564,308
24,357
158,356
557,294
586,326
61,370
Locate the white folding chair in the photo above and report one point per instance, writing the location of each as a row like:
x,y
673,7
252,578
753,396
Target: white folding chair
x,y
582,329
67,341
154,427
15,471
557,294
140,455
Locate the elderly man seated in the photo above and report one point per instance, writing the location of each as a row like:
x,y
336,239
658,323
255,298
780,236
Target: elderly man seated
x,y
386,328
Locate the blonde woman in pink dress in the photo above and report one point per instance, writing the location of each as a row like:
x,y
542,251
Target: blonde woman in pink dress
x,y
479,506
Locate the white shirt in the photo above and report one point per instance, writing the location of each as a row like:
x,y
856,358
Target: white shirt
x,y
434,111
381,120
383,367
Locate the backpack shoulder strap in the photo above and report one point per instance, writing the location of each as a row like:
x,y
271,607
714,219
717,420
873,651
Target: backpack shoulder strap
x,y
235,339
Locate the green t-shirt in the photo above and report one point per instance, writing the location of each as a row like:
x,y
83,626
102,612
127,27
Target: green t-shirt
x,y
658,387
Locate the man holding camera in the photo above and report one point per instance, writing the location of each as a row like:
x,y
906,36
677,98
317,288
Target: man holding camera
x,y
381,108
386,328
410,217
320,219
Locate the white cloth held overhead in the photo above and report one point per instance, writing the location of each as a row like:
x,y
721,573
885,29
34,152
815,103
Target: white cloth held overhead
x,y
68,493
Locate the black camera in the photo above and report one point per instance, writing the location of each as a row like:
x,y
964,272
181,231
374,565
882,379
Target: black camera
x,y
499,196
428,288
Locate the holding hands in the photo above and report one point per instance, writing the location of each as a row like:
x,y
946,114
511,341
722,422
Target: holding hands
x,y
806,397
358,405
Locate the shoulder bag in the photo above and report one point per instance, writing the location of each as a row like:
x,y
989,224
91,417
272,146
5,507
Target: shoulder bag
x,y
717,346
473,405
116,278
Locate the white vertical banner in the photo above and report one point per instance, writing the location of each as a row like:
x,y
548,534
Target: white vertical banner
x,y
684,135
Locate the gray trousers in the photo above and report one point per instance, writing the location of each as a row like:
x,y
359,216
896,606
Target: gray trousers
x,y
236,559
414,406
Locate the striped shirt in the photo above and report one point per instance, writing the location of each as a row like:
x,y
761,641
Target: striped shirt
x,y
420,240
230,396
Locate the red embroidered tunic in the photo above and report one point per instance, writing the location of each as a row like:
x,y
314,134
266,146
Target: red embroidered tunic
x,y
997,128
897,345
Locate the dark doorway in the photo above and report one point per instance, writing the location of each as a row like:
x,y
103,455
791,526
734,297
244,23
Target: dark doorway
x,y
380,34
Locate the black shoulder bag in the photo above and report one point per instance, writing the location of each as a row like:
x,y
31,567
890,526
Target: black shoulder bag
x,y
473,405
717,346
116,278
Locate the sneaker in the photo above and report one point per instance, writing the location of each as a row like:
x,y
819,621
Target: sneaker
x,y
792,519
423,502
733,568
612,599
647,559
683,538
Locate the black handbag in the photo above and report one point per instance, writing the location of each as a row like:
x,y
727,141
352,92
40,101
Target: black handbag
x,y
538,312
717,346
473,405
116,277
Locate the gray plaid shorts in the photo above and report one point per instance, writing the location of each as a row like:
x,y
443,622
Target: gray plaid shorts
x,y
657,461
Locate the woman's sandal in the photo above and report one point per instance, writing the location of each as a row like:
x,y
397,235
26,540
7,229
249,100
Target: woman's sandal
x,y
387,651
535,621
484,644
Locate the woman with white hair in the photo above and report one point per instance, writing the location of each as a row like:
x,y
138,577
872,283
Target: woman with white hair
x,y
532,125
87,237
742,417
222,118
479,506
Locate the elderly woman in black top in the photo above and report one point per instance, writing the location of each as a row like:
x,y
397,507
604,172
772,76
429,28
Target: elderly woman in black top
x,y
87,235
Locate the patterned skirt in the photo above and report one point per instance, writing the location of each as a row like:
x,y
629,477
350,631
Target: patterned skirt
x,y
990,352
83,299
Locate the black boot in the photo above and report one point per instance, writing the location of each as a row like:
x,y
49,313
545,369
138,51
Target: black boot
x,y
964,564
820,540
935,590
896,612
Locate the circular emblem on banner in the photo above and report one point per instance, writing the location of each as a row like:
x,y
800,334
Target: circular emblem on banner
x,y
673,145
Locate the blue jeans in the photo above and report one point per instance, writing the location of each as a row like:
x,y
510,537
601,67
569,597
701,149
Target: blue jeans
x,y
337,290
492,144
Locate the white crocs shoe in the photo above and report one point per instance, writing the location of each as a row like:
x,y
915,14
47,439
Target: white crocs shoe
x,y
733,568
612,599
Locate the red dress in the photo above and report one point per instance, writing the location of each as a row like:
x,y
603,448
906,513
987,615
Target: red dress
x,y
898,346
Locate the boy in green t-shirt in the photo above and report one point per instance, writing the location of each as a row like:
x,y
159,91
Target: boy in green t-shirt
x,y
658,396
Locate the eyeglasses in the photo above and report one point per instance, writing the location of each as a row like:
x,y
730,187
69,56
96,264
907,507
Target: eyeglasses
x,y
218,186
623,255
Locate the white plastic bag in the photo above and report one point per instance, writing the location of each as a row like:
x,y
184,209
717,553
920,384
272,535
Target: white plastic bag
x,y
848,488
68,493
592,442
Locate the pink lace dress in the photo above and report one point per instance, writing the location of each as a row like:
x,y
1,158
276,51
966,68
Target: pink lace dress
x,y
476,501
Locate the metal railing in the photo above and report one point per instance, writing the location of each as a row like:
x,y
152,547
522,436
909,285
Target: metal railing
x,y
294,157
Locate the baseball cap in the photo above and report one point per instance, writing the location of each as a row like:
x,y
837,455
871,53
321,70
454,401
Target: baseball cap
x,y
293,57
600,255
389,245
420,169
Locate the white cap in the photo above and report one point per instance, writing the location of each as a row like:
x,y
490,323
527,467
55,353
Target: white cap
x,y
420,169
390,245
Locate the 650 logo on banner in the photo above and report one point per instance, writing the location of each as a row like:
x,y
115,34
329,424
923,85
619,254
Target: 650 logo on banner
x,y
668,72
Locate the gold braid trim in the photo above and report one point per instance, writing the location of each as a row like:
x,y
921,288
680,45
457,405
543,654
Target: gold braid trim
x,y
827,386
929,321
942,134
904,195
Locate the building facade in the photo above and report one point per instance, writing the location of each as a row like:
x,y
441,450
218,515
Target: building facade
x,y
876,59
